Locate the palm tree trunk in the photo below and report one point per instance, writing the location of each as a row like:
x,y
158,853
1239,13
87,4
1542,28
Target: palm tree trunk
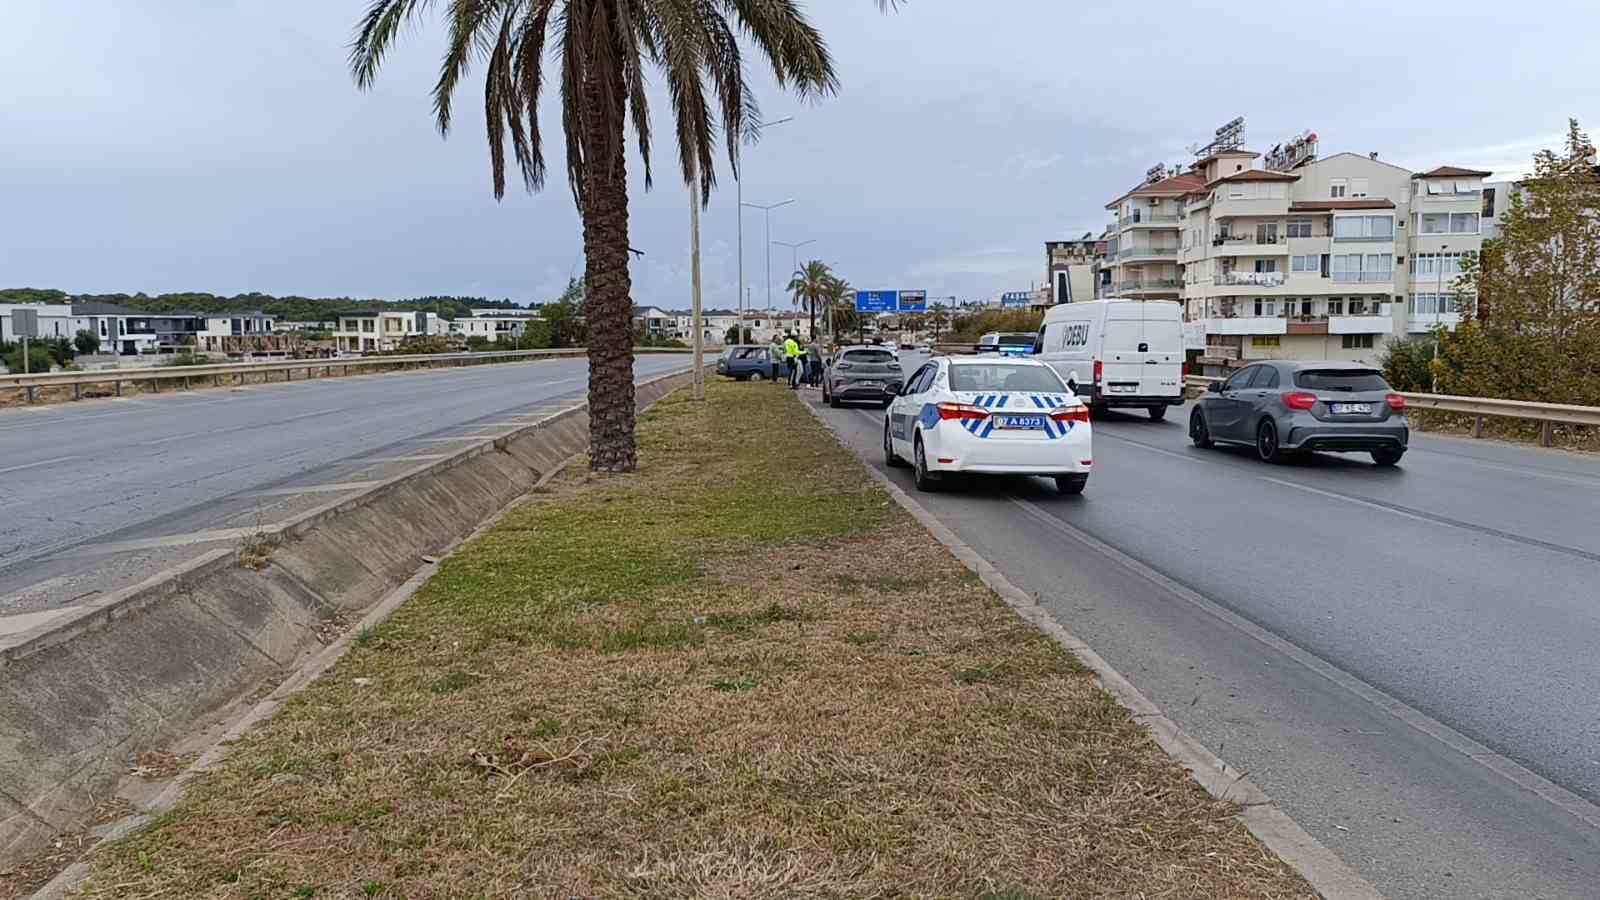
x,y
608,301
811,306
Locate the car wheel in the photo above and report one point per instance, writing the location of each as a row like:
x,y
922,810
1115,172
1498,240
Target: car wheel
x,y
833,400
756,376
890,458
1267,443
1387,456
1198,432
1071,484
923,478
1157,413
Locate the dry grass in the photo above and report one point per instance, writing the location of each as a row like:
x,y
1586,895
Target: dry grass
x,y
741,672
33,873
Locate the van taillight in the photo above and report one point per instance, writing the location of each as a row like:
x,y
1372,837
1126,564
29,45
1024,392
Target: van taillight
x,y
1300,401
1099,369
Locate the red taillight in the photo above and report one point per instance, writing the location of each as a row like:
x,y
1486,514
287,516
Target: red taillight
x,y
962,411
1183,373
1397,402
1076,414
1099,369
1300,401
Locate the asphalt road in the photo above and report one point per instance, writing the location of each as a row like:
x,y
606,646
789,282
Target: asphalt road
x,y
1407,660
99,494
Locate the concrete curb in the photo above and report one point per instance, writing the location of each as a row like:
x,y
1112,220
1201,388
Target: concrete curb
x,y
1321,867
82,695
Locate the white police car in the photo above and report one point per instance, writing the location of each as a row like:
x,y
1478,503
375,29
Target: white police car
x,y
989,415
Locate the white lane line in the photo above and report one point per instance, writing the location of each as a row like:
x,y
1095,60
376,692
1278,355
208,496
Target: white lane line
x,y
451,440
1330,494
313,489
35,465
1558,796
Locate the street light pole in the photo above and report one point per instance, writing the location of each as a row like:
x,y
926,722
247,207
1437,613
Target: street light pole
x,y
767,208
738,183
794,251
698,379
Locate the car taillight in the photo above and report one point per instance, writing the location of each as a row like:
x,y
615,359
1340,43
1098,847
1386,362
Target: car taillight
x,y
1099,369
1396,402
1183,372
1299,400
1076,414
962,411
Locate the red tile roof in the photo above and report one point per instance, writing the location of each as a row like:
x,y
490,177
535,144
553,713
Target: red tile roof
x,y
1325,205
1453,172
1254,175
1187,183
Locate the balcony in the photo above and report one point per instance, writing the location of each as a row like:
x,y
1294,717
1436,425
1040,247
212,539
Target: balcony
x,y
1249,245
1422,323
1228,323
1165,285
1360,324
1148,220
1362,277
1253,279
1155,253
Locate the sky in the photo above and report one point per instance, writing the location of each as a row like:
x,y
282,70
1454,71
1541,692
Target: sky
x,y
222,146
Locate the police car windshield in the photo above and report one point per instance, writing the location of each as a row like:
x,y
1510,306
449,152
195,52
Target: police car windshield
x,y
868,356
1004,377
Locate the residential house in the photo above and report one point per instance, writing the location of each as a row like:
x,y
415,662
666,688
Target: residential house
x,y
130,332
382,331
1070,268
494,325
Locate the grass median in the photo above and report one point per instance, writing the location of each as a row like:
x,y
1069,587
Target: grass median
x,y
742,671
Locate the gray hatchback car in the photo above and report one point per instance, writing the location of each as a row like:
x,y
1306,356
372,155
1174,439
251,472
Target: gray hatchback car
x,y
862,374
1282,408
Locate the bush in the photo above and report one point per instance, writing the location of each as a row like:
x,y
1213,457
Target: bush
x,y
1408,363
87,342
39,358
969,328
478,343
185,358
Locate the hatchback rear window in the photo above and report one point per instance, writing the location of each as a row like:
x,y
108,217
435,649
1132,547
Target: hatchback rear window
x,y
1345,380
868,356
1003,377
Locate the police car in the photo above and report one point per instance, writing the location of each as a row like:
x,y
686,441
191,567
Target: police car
x,y
989,415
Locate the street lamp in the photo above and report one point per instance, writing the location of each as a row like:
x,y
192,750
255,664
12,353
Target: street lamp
x,y
738,183
767,209
794,250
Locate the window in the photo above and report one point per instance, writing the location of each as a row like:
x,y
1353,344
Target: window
x,y
1307,307
368,325
1266,308
869,357
1355,341
1241,379
1266,265
1358,187
1307,263
1431,304
1337,188
1444,266
1363,228
1268,378
1335,306
1488,203
1004,377
1344,380
1265,340
1447,223
1463,223
1299,228
1267,233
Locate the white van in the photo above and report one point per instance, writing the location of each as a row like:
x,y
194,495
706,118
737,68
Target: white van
x,y
1118,353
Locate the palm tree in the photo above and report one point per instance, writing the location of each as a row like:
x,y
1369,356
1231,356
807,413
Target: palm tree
x,y
602,49
811,284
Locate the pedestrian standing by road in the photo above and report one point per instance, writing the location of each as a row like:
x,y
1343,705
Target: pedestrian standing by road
x,y
792,355
780,358
814,363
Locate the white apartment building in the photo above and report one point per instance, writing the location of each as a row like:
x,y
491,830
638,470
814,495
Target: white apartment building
x,y
494,325
381,331
1326,261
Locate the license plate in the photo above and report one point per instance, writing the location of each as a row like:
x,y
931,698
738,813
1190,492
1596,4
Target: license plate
x,y
1033,423
1123,388
1345,409
866,384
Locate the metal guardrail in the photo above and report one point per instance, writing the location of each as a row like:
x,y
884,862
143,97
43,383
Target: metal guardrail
x,y
157,374
1480,408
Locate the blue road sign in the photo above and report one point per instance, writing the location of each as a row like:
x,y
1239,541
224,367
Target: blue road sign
x,y
913,301
1015,299
877,301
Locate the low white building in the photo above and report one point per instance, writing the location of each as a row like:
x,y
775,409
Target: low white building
x,y
494,325
54,320
382,331
764,325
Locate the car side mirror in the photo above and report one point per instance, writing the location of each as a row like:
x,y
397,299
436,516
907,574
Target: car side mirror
x,y
1214,387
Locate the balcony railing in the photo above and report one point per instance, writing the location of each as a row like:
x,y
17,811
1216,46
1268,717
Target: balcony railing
x,y
1148,219
1149,284
1363,277
1369,238
1237,241
1258,279
1219,351
1131,252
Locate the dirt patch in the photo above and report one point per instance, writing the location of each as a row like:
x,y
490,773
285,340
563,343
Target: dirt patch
x,y
742,671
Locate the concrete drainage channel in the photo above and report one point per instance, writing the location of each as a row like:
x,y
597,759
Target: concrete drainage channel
x,y
81,698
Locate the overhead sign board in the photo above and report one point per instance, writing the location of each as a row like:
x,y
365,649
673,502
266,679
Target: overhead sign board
x,y
1012,299
877,301
913,301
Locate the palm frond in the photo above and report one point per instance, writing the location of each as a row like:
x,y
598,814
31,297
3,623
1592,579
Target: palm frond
x,y
796,51
376,32
471,24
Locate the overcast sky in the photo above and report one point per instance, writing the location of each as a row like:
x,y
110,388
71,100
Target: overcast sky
x,y
220,145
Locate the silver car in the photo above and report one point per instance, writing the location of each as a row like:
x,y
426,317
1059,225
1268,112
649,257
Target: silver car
x,y
862,374
1283,408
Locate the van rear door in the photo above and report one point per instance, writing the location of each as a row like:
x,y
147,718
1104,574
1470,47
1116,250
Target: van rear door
x,y
1122,361
1162,357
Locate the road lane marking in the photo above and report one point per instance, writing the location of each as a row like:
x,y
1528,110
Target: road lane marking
x,y
313,489
1432,519
35,465
1504,767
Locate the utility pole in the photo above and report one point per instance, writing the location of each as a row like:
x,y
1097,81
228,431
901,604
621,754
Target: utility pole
x,y
795,254
699,376
738,183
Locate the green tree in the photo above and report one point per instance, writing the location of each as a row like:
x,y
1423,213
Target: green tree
x,y
87,342
563,318
810,286
1408,363
1534,333
732,335
602,49
938,319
